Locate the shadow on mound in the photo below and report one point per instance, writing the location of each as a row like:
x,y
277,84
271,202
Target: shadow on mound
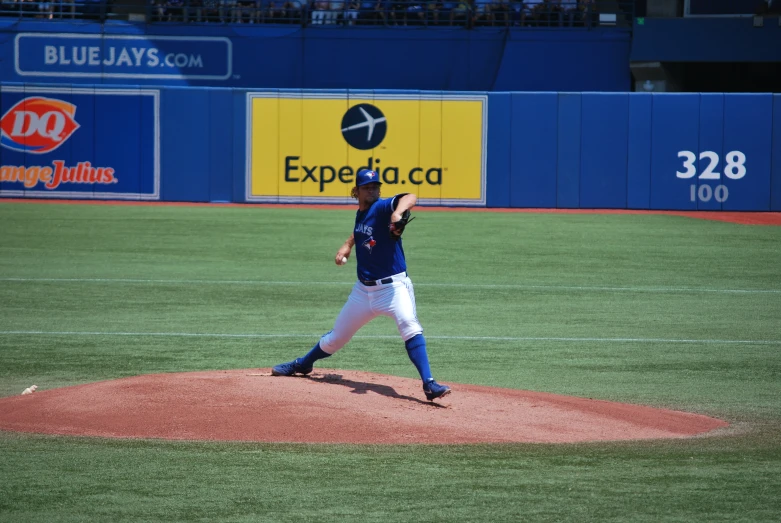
x,y
362,387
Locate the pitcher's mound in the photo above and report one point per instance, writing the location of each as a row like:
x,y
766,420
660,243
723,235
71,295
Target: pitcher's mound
x,y
331,407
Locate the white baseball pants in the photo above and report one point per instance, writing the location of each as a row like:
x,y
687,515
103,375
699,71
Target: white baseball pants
x,y
395,299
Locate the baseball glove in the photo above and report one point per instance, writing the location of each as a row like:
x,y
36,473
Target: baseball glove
x,y
397,228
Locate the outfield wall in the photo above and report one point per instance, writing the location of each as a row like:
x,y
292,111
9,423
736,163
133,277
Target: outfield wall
x,y
333,57
543,150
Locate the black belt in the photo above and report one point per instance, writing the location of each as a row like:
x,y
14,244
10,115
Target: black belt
x,y
373,283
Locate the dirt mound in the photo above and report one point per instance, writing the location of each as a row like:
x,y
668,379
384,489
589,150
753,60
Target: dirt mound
x,y
331,407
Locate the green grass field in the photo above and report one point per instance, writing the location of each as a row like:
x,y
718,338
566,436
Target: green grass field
x,y
650,309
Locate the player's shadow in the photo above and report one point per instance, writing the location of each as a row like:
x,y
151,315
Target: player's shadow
x,y
361,387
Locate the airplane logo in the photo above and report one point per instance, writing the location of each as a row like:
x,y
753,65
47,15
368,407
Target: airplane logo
x,y
369,122
364,126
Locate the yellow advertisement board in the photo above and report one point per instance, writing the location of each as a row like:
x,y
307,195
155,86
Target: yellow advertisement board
x,y
307,147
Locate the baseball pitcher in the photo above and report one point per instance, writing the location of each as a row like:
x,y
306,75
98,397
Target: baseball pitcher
x,y
383,287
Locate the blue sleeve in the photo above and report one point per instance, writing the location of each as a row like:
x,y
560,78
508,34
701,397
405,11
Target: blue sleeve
x,y
395,201
387,205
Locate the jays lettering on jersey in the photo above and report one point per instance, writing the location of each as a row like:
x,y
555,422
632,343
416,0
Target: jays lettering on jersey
x,y
378,255
80,143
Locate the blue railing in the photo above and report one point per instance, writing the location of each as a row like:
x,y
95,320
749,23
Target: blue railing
x,y
56,9
321,13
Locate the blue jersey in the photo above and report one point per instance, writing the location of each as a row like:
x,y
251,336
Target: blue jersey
x,y
378,255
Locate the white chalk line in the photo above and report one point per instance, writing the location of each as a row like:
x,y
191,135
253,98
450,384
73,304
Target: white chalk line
x,y
584,288
382,337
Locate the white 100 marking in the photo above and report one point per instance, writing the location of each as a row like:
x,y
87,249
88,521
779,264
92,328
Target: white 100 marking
x,y
705,193
735,169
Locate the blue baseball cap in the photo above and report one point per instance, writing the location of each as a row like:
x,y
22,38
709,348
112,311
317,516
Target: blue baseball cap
x,y
365,176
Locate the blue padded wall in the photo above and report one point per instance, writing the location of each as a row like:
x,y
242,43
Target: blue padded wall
x,y
638,179
534,149
500,150
775,180
569,151
748,127
292,57
604,151
543,150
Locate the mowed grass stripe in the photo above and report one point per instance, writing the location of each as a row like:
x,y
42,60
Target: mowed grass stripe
x,y
554,288
381,337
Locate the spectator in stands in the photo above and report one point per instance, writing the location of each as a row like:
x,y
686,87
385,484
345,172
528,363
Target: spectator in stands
x,y
274,11
20,8
500,12
192,8
415,12
351,12
188,10
334,12
482,12
66,7
547,13
445,8
567,9
294,10
514,10
319,10
587,13
396,10
30,7
175,10
530,12
209,10
228,11
461,14
14,7
366,12
245,11
8,8
382,10
431,11
45,10
158,10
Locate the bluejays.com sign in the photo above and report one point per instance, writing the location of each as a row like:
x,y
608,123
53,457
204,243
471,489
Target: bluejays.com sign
x,y
83,143
308,147
123,56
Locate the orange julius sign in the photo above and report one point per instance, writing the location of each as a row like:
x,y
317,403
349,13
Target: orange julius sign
x,y
38,125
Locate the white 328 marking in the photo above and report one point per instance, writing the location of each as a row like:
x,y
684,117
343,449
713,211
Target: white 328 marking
x,y
735,168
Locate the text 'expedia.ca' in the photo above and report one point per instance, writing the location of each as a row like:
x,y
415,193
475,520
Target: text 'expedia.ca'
x,y
326,174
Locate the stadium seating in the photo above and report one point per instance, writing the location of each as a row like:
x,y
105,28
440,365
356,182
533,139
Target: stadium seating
x,y
351,13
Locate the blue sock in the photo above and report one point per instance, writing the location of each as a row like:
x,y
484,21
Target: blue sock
x,y
416,350
313,355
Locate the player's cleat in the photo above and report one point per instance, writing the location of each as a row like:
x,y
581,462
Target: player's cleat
x,y
290,368
434,390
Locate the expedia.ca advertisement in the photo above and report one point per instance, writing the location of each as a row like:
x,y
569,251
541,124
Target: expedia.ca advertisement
x,y
307,147
83,143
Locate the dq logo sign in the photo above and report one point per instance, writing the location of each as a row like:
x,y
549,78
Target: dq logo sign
x,y
38,125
